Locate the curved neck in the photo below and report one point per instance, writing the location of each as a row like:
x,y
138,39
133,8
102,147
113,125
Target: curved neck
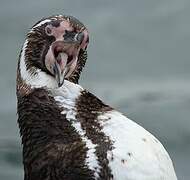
x,y
36,78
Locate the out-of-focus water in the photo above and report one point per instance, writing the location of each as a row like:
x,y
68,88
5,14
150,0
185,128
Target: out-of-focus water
x,y
138,62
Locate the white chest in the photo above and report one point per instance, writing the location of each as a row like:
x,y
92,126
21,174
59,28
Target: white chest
x,y
137,154
66,97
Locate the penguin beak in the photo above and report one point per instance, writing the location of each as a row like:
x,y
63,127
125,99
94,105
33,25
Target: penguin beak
x,y
58,73
66,55
61,59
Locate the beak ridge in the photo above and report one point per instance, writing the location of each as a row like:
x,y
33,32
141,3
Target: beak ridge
x,y
59,76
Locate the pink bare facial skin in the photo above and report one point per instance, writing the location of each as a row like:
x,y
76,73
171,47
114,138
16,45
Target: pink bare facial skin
x,y
64,53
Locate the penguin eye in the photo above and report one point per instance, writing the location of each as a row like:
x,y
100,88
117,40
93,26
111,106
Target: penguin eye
x,y
48,30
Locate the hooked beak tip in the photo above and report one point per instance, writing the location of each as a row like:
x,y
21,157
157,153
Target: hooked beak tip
x,y
59,76
60,83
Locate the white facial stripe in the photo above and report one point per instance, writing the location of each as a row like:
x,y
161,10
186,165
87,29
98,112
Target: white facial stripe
x,y
40,79
41,23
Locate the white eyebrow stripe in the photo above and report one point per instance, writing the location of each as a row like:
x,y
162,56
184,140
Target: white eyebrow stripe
x,y
42,22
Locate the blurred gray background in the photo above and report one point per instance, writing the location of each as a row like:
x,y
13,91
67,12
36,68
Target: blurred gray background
x,y
139,62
